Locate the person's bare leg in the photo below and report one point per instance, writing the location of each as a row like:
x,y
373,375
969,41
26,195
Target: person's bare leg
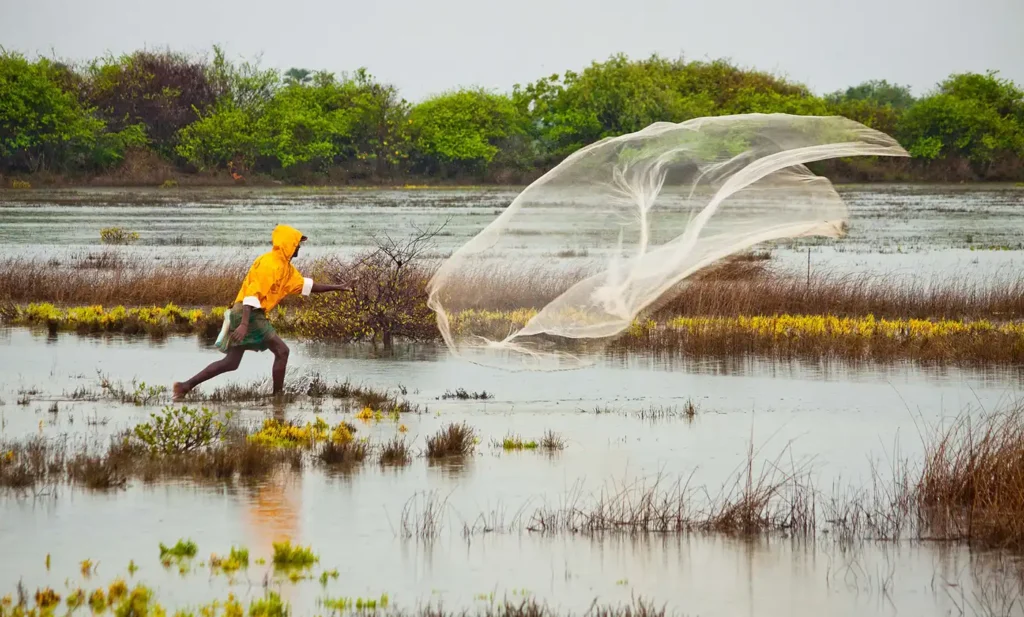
x,y
228,363
280,351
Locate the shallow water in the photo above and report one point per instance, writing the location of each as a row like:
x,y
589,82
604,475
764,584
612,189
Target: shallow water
x,y
910,230
832,419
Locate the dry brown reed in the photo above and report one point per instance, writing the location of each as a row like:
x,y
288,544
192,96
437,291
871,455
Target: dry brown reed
x,y
741,285
972,485
394,452
122,282
454,440
719,340
753,503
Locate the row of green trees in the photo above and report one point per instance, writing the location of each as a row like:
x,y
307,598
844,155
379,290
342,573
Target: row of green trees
x,y
206,114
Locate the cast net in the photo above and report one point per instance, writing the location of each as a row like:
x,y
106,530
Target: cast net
x,y
620,224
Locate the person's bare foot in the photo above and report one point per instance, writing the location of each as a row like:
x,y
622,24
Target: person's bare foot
x,y
180,390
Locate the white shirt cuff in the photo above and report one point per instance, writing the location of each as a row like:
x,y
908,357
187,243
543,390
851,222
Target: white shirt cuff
x,y
252,301
307,286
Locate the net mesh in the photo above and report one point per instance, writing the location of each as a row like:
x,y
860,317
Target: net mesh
x,y
645,210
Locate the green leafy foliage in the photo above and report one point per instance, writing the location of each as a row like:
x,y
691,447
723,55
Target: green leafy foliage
x,y
463,129
42,126
179,430
219,114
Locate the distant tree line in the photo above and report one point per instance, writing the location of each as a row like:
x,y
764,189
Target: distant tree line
x,y
210,115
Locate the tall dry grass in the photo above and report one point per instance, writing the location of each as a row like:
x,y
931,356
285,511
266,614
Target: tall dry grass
x,y
738,286
972,484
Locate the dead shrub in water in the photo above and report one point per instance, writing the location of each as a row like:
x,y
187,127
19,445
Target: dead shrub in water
x,y
386,296
972,484
454,440
552,441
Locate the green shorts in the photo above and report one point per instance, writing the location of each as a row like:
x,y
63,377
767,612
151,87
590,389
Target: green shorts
x,y
257,338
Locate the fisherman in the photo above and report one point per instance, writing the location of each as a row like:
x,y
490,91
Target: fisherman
x,y
271,277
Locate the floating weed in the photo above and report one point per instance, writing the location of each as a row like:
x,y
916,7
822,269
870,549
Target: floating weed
x,y
326,575
98,601
132,568
75,599
87,568
462,395
54,408
344,605
394,452
288,556
117,590
515,442
47,599
269,606
47,559
237,559
133,603
184,549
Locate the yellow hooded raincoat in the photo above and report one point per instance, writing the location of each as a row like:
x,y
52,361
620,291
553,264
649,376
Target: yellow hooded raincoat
x,y
272,276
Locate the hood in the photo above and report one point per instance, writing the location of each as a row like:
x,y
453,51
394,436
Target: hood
x,y
286,239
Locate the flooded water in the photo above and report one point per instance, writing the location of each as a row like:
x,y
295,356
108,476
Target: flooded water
x,y
833,419
936,231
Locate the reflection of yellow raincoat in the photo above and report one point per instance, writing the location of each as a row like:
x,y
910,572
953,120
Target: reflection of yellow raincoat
x,y
272,276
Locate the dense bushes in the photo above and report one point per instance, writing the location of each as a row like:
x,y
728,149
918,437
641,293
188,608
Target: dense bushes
x,y
200,114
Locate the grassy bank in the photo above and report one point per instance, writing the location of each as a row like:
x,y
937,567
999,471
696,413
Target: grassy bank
x,y
964,342
733,308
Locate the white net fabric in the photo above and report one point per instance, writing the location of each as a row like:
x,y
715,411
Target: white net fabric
x,y
649,209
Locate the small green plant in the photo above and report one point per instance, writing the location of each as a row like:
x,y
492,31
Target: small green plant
x,y
21,184
179,430
288,556
118,235
326,575
345,605
515,442
269,606
237,559
75,599
98,601
140,394
184,549
169,184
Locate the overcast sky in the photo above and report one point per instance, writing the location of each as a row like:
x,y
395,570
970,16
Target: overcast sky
x,y
425,47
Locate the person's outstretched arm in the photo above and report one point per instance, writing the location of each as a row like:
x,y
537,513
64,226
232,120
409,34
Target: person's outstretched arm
x,y
323,287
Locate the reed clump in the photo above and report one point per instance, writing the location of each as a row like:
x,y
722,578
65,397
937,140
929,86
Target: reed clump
x,y
452,441
972,483
394,452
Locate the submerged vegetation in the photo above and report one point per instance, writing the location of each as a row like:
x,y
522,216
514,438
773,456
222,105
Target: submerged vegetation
x,y
165,119
969,487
